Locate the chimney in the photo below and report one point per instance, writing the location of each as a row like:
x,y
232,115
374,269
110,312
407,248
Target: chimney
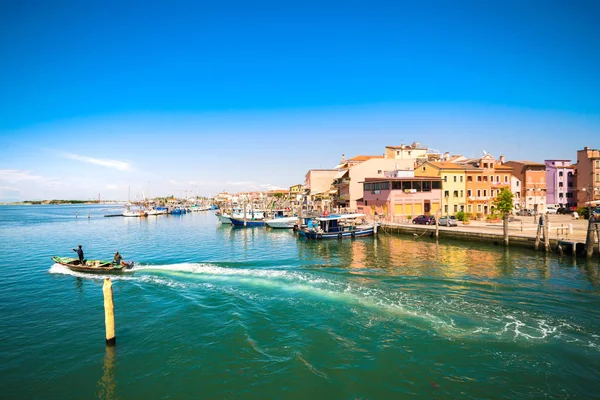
x,y
343,159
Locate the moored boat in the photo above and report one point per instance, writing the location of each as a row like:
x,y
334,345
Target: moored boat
x,y
338,226
93,266
282,222
249,223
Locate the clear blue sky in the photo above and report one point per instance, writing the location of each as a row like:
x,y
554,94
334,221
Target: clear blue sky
x,y
100,96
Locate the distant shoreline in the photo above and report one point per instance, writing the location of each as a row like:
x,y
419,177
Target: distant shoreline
x,y
56,202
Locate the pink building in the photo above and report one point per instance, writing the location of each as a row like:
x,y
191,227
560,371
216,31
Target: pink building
x,y
399,199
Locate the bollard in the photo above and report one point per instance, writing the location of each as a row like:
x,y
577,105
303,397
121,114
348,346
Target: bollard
x,y
109,312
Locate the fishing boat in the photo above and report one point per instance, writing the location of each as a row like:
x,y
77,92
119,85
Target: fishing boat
x,y
93,266
337,226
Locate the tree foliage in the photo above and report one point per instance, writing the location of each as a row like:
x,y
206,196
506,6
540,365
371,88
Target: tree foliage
x,y
503,202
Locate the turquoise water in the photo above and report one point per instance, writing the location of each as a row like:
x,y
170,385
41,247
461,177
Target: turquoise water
x,y
218,312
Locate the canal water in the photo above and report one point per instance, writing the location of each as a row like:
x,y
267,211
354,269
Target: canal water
x,y
212,311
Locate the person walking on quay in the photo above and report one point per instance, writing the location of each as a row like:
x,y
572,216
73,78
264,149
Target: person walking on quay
x,y
79,252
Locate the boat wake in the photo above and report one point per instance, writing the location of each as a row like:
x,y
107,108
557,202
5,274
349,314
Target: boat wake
x,y
61,269
451,317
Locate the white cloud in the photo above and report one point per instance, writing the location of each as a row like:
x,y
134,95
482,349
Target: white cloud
x,y
112,187
15,176
120,165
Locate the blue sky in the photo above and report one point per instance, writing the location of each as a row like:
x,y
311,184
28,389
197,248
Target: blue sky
x,y
199,97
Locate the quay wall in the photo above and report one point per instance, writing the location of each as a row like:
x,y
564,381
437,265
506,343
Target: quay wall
x,y
481,235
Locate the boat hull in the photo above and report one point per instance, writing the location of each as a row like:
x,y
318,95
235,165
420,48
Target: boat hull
x,y
93,266
224,219
313,234
282,223
247,223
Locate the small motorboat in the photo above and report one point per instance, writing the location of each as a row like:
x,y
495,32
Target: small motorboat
x,y
94,266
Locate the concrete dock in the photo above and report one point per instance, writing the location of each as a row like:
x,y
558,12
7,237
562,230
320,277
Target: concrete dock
x,y
564,230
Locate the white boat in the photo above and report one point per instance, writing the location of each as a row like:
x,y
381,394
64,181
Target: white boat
x,y
239,214
282,222
138,212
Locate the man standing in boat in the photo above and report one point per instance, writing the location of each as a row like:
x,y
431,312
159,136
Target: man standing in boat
x,y
79,252
117,259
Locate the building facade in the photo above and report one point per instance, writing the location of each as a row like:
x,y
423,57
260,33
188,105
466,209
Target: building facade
x,y
453,178
348,180
533,184
560,183
588,177
485,177
400,199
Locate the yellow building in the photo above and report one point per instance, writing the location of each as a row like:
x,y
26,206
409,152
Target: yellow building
x,y
296,189
453,183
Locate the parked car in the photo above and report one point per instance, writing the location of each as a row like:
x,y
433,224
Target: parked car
x,y
551,210
525,212
564,210
448,221
424,220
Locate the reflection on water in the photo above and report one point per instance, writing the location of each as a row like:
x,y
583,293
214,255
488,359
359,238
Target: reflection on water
x,y
107,388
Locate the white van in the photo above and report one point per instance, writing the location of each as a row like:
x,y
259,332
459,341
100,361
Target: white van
x,y
551,209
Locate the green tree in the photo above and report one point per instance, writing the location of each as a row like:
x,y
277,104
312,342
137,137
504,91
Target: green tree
x,y
503,202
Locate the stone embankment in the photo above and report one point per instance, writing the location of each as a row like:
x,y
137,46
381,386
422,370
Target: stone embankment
x,y
564,230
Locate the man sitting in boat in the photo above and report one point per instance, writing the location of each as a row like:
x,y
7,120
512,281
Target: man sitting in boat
x,y
79,252
117,260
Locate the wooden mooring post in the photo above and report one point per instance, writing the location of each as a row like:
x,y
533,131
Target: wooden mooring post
x,y
505,228
546,233
109,312
589,240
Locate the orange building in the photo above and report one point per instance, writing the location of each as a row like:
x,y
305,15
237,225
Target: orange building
x,y
485,177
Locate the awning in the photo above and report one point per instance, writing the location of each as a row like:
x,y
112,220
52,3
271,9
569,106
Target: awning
x,y
340,174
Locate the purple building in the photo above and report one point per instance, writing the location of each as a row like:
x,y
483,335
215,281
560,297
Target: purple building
x,y
560,183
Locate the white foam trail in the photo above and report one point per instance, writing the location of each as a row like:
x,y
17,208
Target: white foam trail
x,y
452,318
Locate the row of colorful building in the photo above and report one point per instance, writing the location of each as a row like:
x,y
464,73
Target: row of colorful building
x,y
412,179
409,180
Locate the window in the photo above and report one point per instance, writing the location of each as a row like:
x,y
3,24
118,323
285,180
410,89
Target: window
x,y
366,203
406,185
485,165
478,208
485,178
505,178
379,171
560,174
597,177
396,185
455,207
492,192
461,178
469,208
569,195
385,186
461,193
560,195
478,193
446,209
446,193
436,185
397,152
445,178
560,184
454,178
518,183
423,169
469,179
427,186
469,193
484,192
455,193
417,185
368,187
479,178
